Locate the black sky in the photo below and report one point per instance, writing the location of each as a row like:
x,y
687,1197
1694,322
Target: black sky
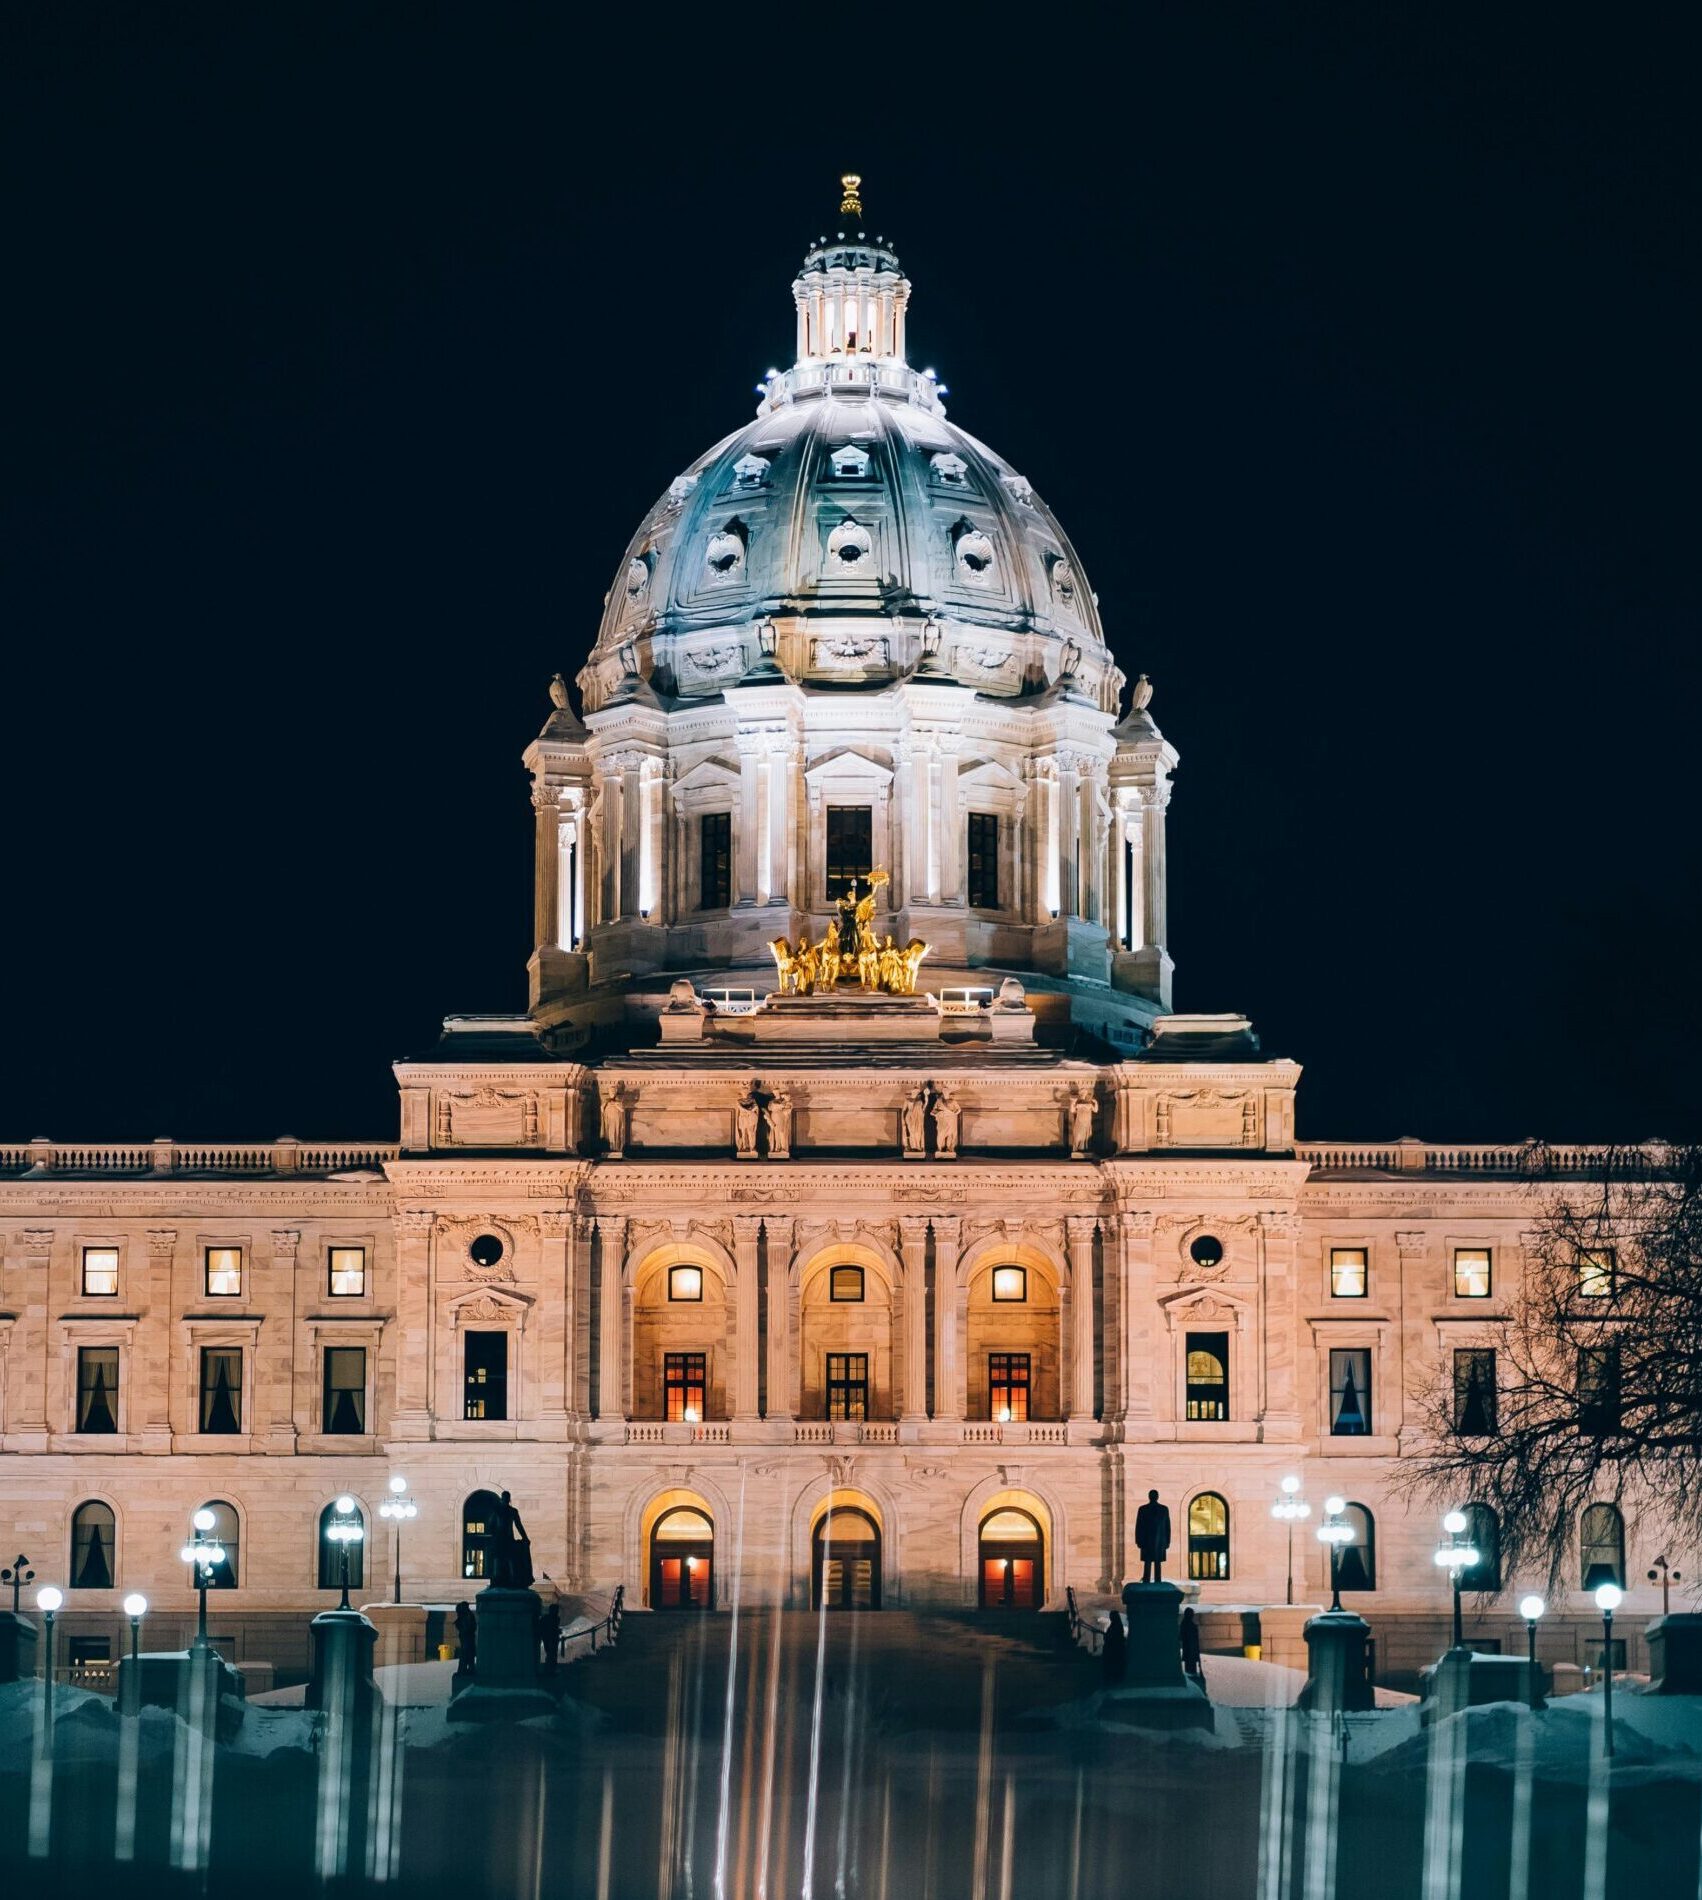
x,y
1355,347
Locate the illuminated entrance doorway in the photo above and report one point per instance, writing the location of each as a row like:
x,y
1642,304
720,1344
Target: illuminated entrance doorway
x,y
847,1561
682,1561
1013,1568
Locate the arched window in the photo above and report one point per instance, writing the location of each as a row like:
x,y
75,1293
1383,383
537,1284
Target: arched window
x,y
1483,1533
475,1533
1601,1546
227,1529
94,1541
1356,1567
331,1553
1208,1538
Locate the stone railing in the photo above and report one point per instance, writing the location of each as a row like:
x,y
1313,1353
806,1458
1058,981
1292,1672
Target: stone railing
x,y
982,1432
1532,1160
286,1155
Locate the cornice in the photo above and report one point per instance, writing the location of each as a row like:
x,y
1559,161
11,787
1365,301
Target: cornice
x,y
259,1196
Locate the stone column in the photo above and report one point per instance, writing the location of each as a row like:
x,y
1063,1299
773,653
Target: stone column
x,y
153,1377
1135,1297
1080,1347
546,873
747,1231
780,1379
283,1388
1154,909
950,1383
611,1399
913,1383
413,1323
779,815
746,829
555,1323
1280,1404
1069,835
614,799
951,847
632,833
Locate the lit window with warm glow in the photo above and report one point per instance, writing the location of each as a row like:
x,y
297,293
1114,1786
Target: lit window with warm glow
x,y
684,1376
348,1272
1349,1277
685,1283
100,1270
1007,1387
224,1271
1010,1283
1471,1273
846,1286
1597,1273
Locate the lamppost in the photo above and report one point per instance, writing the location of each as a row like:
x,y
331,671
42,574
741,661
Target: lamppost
x,y
1663,1574
1288,1509
398,1507
1455,1557
343,1530
1335,1531
1531,1609
19,1574
48,1599
205,1553
135,1607
1609,1596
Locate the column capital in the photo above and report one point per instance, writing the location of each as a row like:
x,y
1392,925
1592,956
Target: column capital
x,y
1080,1228
1138,1223
285,1241
415,1222
556,1223
1284,1226
913,1230
948,1230
162,1242
747,1229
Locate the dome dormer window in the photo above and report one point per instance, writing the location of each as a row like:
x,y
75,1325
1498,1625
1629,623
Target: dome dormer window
x,y
750,471
950,471
725,554
850,463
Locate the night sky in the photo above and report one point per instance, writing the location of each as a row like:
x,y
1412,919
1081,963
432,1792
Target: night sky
x,y
1357,352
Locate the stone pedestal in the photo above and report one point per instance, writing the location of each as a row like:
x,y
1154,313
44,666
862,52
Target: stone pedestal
x,y
343,1644
189,1681
505,1686
1154,1692
17,1647
1675,1654
1462,1679
1337,1678
401,1631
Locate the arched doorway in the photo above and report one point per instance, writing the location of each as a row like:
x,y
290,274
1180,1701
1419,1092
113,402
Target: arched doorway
x,y
1012,1562
682,1560
846,1560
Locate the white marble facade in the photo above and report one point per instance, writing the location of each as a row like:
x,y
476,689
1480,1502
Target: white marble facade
x,y
847,607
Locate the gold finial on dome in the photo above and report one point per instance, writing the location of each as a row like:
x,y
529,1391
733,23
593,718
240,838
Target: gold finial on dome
x,y
851,203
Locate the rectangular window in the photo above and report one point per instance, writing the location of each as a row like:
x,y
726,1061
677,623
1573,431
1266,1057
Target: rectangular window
x,y
1597,1273
984,860
484,1359
848,1385
715,860
1349,1273
1474,1391
1471,1273
221,1389
1598,1390
1350,1391
224,1271
345,1389
100,1270
684,1375
1208,1375
845,1286
1007,1386
97,1388
850,846
348,1272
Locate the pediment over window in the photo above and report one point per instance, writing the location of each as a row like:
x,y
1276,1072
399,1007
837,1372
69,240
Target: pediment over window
x,y
709,779
842,770
489,1306
1213,1307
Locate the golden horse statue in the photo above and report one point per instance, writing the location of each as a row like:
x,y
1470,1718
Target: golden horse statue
x,y
850,947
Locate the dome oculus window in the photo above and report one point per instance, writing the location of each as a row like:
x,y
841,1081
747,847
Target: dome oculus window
x,y
1207,1251
1010,1284
974,554
725,554
486,1251
849,545
845,1286
685,1283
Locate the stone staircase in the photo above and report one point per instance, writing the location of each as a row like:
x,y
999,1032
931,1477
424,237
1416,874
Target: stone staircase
x,y
911,1671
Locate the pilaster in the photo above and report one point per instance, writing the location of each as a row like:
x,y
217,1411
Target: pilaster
x,y
556,1243
913,1379
1081,1229
779,1241
283,1373
747,1233
414,1328
950,1372
1135,1344
611,1236
1279,1411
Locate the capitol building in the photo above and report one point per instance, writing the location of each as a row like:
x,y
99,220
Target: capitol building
x,y
851,1216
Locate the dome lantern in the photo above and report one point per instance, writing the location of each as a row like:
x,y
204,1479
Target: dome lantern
x,y
851,293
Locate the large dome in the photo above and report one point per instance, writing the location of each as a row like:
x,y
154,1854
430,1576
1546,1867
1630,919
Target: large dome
x,y
874,537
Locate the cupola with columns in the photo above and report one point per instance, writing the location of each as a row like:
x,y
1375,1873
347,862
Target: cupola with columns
x,y
850,637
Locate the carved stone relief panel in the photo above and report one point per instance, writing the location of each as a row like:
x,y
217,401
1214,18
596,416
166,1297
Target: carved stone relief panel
x,y
488,1117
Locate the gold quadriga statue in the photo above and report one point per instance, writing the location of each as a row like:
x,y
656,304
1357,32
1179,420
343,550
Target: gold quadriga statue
x,y
851,951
